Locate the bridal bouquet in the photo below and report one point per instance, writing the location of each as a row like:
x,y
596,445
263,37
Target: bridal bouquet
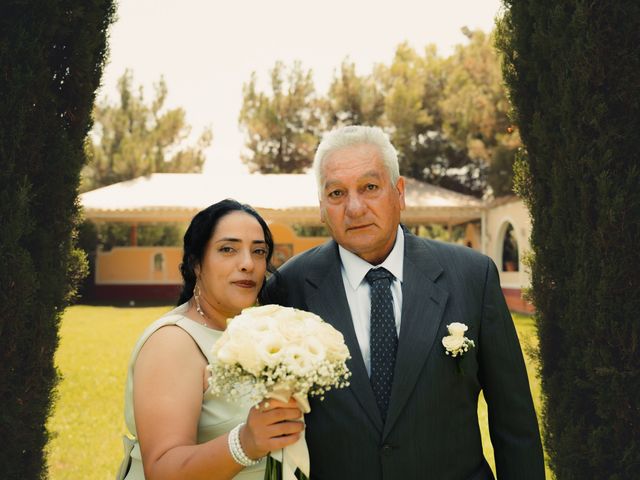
x,y
279,352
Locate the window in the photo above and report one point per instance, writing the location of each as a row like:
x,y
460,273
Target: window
x,y
510,262
158,262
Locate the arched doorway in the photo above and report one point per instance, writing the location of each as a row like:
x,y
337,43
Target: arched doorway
x,y
510,256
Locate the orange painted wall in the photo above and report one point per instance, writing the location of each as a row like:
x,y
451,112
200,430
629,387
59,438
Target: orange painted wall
x,y
135,265
288,244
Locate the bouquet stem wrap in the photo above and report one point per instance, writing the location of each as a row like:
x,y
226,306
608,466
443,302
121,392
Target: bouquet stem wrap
x,y
294,456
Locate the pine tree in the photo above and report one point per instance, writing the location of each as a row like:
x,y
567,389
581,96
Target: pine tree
x,y
572,68
353,99
133,137
51,57
282,127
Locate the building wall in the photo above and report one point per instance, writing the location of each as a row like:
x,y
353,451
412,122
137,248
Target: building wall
x,y
152,273
497,220
288,244
138,266
137,273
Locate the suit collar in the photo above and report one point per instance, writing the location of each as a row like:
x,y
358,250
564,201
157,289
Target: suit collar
x,y
423,304
422,255
324,262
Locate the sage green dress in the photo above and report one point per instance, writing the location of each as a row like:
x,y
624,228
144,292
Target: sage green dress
x,y
217,415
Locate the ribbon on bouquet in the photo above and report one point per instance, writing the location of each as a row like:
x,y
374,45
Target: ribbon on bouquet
x,y
296,455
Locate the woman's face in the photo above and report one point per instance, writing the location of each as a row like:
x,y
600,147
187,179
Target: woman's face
x,y
233,266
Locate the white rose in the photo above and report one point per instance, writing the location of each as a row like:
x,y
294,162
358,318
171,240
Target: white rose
x,y
453,342
251,361
226,353
290,328
333,341
235,327
270,349
312,321
316,351
262,324
457,329
297,359
242,350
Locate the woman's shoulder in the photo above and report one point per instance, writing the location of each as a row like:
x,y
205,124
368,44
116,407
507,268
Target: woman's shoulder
x,y
167,324
172,317
167,343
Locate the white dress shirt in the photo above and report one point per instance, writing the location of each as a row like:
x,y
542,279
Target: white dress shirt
x,y
353,270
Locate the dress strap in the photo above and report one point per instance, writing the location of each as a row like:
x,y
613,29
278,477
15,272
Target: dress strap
x,y
201,335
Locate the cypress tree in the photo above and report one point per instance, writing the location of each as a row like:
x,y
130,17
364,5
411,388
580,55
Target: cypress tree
x,y
573,70
51,59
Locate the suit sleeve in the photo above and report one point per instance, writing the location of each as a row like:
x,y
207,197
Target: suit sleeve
x,y
512,420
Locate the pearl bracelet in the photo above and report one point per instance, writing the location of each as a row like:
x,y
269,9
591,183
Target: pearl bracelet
x,y
235,447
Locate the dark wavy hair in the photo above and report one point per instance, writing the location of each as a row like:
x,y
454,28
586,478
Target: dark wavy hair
x,y
200,231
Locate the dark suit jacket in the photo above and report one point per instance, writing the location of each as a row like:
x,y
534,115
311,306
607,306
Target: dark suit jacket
x,y
431,430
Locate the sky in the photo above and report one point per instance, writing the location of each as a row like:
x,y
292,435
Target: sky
x,y
207,49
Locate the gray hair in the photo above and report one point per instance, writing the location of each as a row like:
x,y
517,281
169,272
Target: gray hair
x,y
356,135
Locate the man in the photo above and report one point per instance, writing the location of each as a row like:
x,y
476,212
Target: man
x,y
411,409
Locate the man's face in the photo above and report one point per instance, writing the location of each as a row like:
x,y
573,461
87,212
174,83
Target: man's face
x,y
358,202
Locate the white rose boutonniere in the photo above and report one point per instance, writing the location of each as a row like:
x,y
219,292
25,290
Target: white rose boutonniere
x,y
456,344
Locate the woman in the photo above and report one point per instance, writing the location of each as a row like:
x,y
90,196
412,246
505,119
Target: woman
x,y
181,431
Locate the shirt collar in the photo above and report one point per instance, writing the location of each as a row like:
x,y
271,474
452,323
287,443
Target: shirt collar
x,y
356,268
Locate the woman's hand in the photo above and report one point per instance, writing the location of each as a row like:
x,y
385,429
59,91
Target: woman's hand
x,y
270,426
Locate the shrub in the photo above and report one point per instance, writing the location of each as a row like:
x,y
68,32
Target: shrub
x,y
572,68
51,59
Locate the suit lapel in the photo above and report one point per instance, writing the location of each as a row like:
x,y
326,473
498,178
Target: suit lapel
x,y
423,305
326,297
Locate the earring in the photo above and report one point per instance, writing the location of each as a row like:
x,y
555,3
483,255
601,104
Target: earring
x,y
196,297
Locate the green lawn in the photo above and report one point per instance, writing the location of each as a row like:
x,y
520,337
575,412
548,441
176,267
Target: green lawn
x,y
529,343
87,425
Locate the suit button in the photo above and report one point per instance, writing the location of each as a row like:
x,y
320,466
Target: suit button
x,y
386,450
